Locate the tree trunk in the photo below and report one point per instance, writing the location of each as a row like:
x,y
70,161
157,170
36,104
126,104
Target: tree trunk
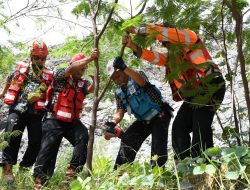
x,y
229,70
97,99
238,17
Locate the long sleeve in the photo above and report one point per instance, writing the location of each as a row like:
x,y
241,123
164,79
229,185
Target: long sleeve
x,y
152,57
172,35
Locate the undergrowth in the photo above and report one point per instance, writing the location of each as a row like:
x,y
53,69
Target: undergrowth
x,y
219,168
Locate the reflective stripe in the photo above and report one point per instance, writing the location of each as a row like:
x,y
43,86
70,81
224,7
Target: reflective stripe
x,y
63,114
157,57
10,97
46,102
40,103
212,70
48,71
197,54
23,63
165,34
151,115
199,75
187,37
142,30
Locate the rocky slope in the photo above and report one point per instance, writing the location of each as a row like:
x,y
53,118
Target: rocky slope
x,y
107,107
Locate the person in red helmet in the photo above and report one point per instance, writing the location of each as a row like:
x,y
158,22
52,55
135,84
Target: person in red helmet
x,y
24,91
62,119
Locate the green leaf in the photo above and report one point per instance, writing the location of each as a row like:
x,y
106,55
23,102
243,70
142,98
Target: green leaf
x,y
228,132
198,170
210,169
75,185
83,7
87,180
148,180
214,151
183,168
136,180
124,179
232,175
241,151
200,160
131,22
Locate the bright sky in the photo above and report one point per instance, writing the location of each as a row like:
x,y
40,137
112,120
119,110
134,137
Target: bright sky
x,y
55,31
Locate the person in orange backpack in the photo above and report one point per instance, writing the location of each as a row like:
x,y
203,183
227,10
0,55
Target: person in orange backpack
x,y
62,119
24,91
193,76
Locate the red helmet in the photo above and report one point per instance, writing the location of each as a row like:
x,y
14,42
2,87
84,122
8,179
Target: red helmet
x,y
77,57
39,49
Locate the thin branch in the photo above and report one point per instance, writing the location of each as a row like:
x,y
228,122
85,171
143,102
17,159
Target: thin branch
x,y
29,9
44,32
59,18
142,9
131,9
246,12
230,75
97,9
109,79
91,8
221,126
105,89
93,19
107,21
17,12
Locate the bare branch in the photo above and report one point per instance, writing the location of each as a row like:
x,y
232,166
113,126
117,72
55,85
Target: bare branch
x,y
30,8
91,9
131,9
93,19
142,8
108,81
221,126
107,21
238,33
59,18
105,89
97,9
96,90
246,12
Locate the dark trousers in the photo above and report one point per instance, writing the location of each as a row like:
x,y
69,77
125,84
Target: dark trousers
x,y
53,132
198,120
17,121
137,133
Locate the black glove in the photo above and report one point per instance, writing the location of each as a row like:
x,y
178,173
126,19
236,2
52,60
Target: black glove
x,y
112,131
119,63
167,109
110,128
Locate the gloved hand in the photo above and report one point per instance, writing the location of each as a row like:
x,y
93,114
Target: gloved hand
x,y
119,63
112,131
167,109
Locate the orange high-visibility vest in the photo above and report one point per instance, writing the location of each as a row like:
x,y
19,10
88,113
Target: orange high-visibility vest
x,y
193,55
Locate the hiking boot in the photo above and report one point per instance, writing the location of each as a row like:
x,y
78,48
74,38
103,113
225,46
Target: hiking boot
x,y
38,184
7,174
70,174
